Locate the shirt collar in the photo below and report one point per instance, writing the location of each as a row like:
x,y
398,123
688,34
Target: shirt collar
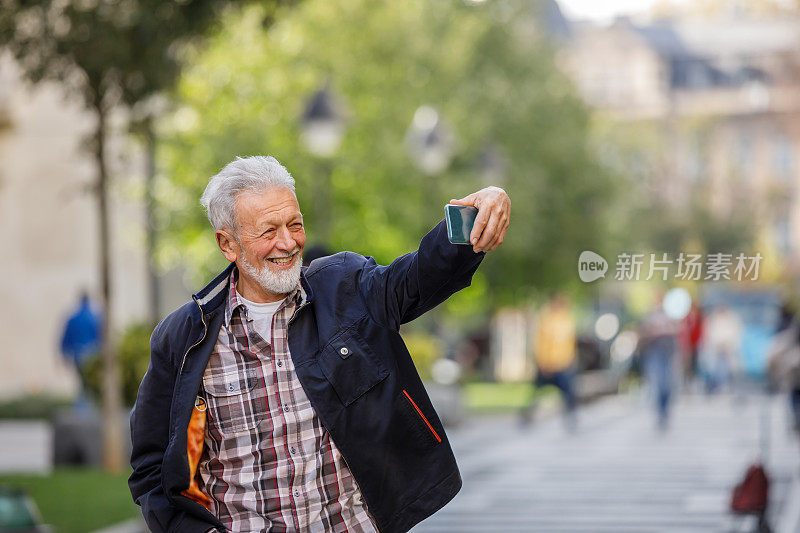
x,y
297,296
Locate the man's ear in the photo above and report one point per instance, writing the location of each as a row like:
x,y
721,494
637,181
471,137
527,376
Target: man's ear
x,y
227,244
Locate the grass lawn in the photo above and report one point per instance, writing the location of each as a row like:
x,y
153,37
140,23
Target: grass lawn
x,y
501,397
78,500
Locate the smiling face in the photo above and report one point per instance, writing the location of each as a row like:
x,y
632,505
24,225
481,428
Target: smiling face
x,y
267,244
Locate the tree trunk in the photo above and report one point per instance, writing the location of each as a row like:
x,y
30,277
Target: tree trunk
x,y
150,172
111,391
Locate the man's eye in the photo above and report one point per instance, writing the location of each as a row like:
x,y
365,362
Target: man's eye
x,y
297,225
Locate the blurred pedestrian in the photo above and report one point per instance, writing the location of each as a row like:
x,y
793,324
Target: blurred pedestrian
x,y
783,361
658,345
720,351
555,354
787,317
691,332
80,341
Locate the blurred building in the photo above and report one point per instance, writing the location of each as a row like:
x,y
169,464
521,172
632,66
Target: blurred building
x,y
711,107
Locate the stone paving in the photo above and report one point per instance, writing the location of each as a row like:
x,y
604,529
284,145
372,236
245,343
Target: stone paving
x,y
617,473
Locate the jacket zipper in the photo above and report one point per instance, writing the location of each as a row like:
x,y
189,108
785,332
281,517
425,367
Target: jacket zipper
x,y
180,370
419,412
295,314
193,346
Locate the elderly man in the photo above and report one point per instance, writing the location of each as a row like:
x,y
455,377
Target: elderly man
x,y
282,398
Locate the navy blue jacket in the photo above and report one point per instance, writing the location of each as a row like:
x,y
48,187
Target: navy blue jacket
x,y
368,396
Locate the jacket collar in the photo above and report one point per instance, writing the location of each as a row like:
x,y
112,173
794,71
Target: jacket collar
x,y
215,294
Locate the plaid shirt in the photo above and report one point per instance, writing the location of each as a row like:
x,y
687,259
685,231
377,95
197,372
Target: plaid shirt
x,y
270,465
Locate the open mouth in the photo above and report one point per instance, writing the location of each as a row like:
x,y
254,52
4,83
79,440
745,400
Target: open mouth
x,y
282,261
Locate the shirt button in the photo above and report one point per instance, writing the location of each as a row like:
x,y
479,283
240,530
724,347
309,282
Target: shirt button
x,y
297,493
286,408
293,450
344,350
280,363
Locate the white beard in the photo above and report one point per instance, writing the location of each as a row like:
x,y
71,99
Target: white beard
x,y
282,282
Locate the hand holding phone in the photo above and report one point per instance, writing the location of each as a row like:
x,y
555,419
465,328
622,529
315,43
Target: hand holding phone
x,y
488,228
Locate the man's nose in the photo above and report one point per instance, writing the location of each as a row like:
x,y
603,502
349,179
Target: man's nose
x,y
285,240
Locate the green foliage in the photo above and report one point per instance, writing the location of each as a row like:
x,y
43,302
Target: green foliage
x,y
134,356
674,231
106,51
33,406
425,349
481,65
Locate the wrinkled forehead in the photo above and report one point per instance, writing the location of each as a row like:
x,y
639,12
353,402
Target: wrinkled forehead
x,y
272,206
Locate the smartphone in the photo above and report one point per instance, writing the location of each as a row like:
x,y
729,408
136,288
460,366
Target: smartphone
x,y
460,219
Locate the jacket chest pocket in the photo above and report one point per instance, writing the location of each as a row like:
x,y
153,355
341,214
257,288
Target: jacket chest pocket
x,y
235,402
350,366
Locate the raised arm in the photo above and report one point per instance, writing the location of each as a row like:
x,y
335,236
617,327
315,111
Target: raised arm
x,y
421,280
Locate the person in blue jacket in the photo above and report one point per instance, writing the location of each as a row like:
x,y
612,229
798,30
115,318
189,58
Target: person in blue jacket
x,y
282,397
80,341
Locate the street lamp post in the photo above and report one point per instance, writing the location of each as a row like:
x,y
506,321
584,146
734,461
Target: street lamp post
x,y
430,144
323,126
429,141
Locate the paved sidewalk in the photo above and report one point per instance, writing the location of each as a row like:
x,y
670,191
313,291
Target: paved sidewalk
x,y
617,473
135,525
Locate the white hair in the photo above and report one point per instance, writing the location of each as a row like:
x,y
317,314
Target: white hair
x,y
257,173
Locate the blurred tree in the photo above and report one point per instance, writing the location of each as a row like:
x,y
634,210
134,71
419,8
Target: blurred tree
x,y
663,228
110,54
484,66
425,349
134,356
155,38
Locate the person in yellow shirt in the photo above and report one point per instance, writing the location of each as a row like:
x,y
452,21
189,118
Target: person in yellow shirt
x,y
555,353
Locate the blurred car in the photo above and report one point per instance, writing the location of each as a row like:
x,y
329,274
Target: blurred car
x,y
18,513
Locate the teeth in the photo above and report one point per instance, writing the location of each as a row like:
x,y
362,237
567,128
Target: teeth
x,y
282,260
